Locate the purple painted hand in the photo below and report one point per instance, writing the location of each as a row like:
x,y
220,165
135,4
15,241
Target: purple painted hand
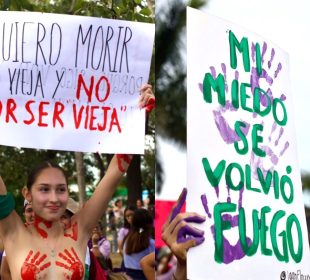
x,y
178,234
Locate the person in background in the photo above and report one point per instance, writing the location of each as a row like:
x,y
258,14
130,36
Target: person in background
x,y
139,203
179,236
118,212
101,249
28,213
128,215
138,243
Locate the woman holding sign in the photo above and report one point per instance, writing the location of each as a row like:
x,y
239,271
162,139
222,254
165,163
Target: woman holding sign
x,y
44,250
179,236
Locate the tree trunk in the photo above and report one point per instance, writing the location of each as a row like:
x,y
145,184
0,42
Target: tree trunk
x,y
80,177
134,180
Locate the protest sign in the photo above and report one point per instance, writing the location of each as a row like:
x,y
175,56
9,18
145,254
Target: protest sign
x,y
243,173
72,82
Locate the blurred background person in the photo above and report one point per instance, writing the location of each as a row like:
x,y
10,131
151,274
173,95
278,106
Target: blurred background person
x,y
138,243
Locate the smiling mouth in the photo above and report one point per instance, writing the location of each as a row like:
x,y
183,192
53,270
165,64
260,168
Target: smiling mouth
x,y
53,208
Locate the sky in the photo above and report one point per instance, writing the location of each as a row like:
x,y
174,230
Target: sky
x,y
286,23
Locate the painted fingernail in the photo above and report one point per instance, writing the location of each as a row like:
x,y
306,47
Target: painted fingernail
x,y
181,201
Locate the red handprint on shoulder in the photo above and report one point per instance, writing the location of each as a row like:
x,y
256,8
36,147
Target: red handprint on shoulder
x,y
123,161
31,268
73,264
74,232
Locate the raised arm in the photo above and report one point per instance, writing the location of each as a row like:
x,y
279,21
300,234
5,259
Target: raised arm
x,y
97,204
8,217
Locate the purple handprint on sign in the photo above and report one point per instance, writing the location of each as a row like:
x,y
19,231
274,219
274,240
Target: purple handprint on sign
x,y
231,252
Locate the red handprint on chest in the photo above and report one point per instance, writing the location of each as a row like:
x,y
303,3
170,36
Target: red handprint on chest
x,y
71,262
32,267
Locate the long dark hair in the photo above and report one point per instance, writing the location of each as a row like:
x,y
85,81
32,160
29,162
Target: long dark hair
x,y
36,171
131,208
138,237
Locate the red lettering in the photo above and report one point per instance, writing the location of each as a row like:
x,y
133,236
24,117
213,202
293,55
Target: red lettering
x,y
77,117
10,107
107,93
92,117
114,121
28,109
0,108
87,116
58,109
42,113
88,91
105,117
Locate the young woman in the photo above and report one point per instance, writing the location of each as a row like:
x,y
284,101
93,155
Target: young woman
x,y
128,215
44,250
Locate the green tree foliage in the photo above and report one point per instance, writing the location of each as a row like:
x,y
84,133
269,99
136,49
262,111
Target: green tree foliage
x,y
170,72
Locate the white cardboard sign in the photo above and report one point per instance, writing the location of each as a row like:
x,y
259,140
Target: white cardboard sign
x,y
243,173
72,82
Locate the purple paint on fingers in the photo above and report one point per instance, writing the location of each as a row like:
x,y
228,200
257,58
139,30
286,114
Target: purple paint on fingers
x,y
198,240
195,219
188,230
178,207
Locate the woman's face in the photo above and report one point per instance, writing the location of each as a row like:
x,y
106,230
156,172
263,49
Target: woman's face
x,y
49,194
129,216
